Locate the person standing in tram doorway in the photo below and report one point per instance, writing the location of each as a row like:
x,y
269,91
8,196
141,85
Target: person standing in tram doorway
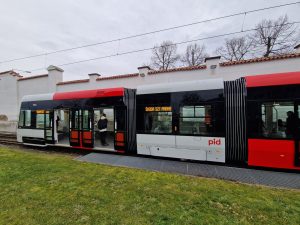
x,y
102,126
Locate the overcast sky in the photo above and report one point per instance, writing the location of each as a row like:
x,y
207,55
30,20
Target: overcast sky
x,y
37,26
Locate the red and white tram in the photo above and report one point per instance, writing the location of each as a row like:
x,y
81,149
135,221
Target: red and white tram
x,y
69,119
252,120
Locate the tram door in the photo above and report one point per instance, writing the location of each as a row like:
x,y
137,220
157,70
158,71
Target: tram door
x,y
81,129
87,129
120,127
104,139
115,134
48,126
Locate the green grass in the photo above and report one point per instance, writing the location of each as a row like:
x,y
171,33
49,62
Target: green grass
x,y
43,188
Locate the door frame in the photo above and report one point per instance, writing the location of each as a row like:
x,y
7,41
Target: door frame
x,y
74,133
87,142
77,132
56,133
95,123
49,128
120,148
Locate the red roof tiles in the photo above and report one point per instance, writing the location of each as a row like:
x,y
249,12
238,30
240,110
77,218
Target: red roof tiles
x,y
33,77
73,82
261,59
100,78
11,72
118,76
187,68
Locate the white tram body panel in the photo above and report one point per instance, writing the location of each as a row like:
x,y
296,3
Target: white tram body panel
x,y
40,97
194,147
33,133
196,85
182,147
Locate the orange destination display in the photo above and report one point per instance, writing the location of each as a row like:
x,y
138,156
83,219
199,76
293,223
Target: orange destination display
x,y
158,109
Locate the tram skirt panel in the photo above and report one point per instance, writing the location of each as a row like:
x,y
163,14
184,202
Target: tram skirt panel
x,y
235,104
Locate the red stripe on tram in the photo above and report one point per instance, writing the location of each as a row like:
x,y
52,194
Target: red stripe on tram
x,y
99,93
273,79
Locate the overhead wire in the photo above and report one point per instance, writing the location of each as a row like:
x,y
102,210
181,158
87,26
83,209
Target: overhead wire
x,y
148,33
148,49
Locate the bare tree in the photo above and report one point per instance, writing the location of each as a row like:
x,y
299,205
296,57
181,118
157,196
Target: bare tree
x,y
275,36
236,48
164,55
194,55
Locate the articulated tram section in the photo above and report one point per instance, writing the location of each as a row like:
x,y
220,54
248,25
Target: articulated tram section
x,y
253,120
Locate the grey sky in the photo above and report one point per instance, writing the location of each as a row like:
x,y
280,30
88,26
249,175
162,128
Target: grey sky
x,y
38,26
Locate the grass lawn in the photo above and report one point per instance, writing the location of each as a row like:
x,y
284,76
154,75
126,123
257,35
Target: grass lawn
x,y
43,188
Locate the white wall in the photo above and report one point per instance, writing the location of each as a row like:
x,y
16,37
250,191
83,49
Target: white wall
x,y
8,96
131,82
13,88
225,72
260,68
33,86
54,77
39,85
8,126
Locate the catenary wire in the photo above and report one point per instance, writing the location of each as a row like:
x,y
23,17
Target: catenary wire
x,y
148,33
147,49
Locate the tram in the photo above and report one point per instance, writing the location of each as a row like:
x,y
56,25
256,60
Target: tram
x,y
69,119
253,120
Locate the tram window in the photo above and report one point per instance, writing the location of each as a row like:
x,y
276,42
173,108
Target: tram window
x,y
196,120
48,121
31,119
158,122
278,120
86,119
21,118
27,114
75,120
40,120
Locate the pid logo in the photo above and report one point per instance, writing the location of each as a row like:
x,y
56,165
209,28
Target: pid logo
x,y
215,141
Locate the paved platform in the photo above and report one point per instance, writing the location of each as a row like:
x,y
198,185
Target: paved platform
x,y
245,175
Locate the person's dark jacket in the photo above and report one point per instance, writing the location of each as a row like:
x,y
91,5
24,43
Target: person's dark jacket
x,y
102,123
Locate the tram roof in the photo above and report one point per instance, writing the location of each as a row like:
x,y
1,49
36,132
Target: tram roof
x,y
39,97
97,93
209,84
273,79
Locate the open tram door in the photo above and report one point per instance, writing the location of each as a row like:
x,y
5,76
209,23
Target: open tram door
x,y
81,128
120,129
48,126
112,137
